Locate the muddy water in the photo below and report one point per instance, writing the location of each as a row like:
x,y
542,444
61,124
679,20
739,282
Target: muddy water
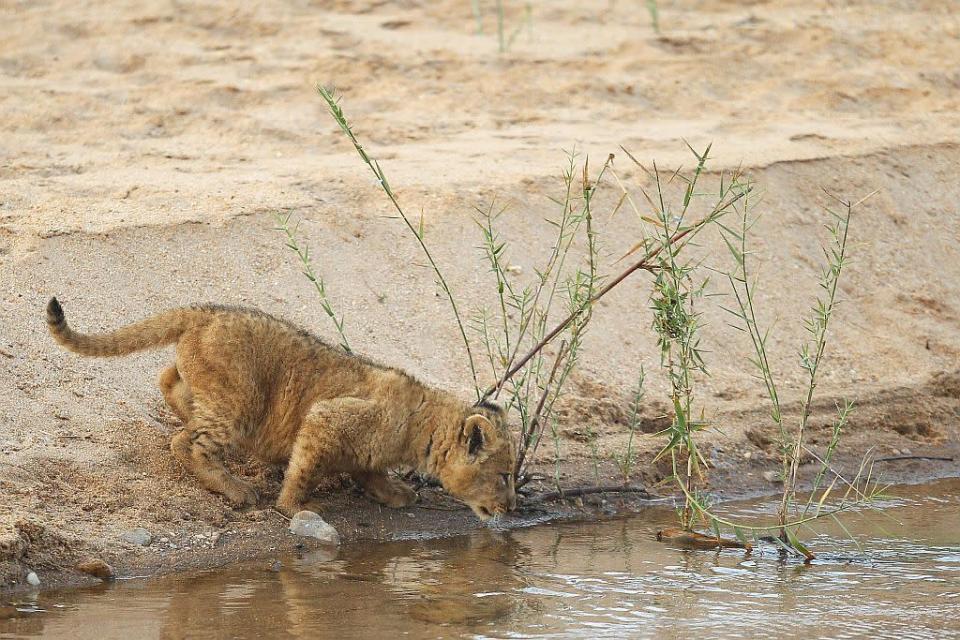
x,y
606,580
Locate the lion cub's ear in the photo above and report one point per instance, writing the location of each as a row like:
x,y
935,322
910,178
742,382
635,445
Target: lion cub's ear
x,y
499,411
477,434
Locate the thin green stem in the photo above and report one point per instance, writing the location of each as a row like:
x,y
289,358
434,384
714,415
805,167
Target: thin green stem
x,y
818,328
303,253
500,37
418,232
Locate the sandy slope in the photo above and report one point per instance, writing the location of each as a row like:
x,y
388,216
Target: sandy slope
x,y
144,146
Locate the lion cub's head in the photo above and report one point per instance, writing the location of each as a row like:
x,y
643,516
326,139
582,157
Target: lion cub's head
x,y
479,466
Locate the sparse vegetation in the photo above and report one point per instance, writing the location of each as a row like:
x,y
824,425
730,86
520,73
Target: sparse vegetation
x,y
678,290
628,458
654,10
792,444
504,39
676,321
524,312
531,384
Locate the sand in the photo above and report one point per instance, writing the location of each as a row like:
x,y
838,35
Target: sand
x,y
146,146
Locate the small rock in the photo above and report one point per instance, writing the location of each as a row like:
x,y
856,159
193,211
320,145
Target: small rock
x,y
772,476
139,536
96,568
33,579
275,566
905,452
308,523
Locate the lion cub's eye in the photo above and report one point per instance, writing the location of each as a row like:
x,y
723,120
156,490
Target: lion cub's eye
x,y
505,479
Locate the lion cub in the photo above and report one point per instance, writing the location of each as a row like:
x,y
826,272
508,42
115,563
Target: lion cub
x,y
245,379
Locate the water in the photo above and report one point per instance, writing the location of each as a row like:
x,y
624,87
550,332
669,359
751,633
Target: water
x,y
601,580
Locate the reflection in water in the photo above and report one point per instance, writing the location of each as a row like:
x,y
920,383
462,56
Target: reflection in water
x,y
604,580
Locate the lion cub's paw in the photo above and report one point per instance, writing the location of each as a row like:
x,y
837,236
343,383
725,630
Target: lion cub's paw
x,y
291,509
241,494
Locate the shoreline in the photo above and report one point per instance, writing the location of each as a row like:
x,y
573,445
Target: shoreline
x,y
261,534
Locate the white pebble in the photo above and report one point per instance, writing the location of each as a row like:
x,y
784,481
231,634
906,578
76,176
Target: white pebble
x,y
308,523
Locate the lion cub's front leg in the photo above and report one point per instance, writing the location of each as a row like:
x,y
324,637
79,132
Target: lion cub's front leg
x,y
324,444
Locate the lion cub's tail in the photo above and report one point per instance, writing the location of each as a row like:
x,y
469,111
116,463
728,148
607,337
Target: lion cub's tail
x,y
162,329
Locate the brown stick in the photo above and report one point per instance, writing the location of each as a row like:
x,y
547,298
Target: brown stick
x,y
897,458
643,263
563,325
585,491
698,541
535,421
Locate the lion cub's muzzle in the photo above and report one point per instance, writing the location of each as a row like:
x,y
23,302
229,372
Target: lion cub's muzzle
x,y
496,508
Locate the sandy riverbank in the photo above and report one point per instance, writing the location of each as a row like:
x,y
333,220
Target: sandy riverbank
x,y
145,147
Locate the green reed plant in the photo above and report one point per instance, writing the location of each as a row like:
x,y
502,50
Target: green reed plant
x,y
504,40
653,9
678,290
626,461
677,322
306,264
792,444
523,312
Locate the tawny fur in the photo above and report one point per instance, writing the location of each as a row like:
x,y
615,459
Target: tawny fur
x,y
244,379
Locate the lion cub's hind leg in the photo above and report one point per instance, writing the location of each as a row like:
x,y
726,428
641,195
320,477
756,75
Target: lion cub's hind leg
x,y
176,393
200,447
326,443
388,491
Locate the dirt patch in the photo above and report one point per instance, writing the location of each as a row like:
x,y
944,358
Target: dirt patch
x,y
30,543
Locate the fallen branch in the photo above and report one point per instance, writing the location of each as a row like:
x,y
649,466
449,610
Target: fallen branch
x,y
693,541
461,507
586,491
537,415
897,458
